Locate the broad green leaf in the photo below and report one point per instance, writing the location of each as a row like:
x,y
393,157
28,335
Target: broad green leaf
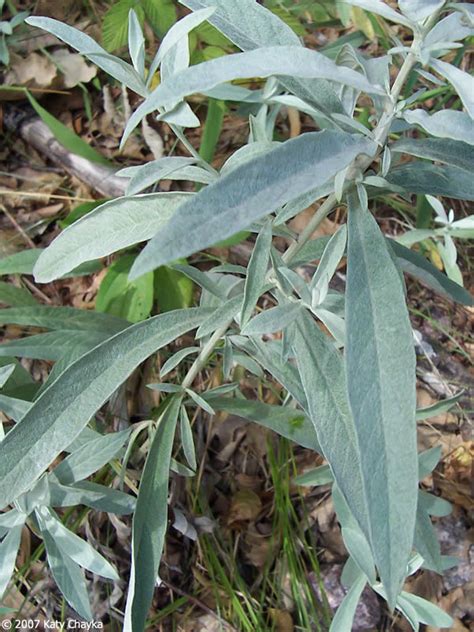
x,y
461,81
226,207
256,273
120,70
451,152
444,180
74,547
66,136
419,10
271,320
131,300
284,420
173,290
62,318
150,520
161,14
115,24
381,8
426,612
90,457
67,574
249,25
20,262
152,172
380,371
293,61
110,227
92,495
53,345
16,296
344,617
418,266
63,409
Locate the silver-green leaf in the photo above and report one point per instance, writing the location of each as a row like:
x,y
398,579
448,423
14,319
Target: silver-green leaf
x,y
250,192
380,369
110,227
64,409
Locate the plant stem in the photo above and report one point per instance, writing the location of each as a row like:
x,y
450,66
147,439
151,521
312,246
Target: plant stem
x,y
200,362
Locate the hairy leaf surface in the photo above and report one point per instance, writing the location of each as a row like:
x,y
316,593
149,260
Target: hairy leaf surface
x,y
380,362
110,227
64,409
250,192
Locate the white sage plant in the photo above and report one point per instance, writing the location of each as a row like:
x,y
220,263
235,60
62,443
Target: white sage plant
x,y
352,390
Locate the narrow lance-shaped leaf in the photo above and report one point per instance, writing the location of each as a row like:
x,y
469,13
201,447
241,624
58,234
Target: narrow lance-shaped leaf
x,y
74,547
332,255
62,318
250,25
461,81
90,457
425,178
150,520
67,574
5,373
8,552
284,420
274,319
152,172
53,345
64,409
250,192
417,265
110,227
177,32
419,10
451,152
381,8
345,612
380,369
293,61
16,296
256,273
321,369
120,70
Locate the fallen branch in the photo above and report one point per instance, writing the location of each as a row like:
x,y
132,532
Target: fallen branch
x,y
99,177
